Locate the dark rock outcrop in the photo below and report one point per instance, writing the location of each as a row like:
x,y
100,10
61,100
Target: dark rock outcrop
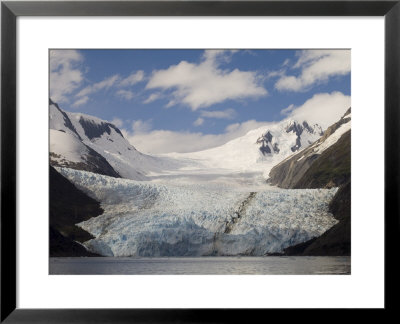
x,y
266,144
95,130
69,206
287,173
61,246
329,169
267,147
298,129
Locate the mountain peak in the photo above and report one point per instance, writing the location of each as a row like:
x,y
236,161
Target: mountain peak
x,y
298,128
89,143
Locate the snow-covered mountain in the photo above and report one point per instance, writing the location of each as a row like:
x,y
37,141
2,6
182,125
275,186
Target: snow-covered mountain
x,y
258,150
88,143
329,157
68,151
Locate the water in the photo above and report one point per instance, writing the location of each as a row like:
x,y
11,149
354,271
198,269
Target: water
x,y
271,265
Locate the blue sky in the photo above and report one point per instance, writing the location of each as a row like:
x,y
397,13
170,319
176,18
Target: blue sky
x,y
185,100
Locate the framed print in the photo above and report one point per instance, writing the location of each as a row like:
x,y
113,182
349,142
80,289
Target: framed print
x,y
190,152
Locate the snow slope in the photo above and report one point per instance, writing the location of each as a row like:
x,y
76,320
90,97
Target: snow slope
x,y
333,138
107,140
257,151
67,146
143,218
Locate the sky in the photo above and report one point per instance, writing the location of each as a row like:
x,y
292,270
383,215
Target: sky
x,y
190,100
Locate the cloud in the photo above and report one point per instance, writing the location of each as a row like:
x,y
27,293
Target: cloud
x,y
199,121
212,56
117,122
80,101
125,94
315,66
65,75
286,62
274,74
132,79
140,126
204,84
105,84
165,141
323,109
220,114
288,110
152,97
114,81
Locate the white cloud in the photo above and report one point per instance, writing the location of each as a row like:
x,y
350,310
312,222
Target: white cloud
x,y
152,97
125,94
132,79
112,82
220,114
316,66
117,122
81,101
323,109
165,141
201,85
286,62
105,84
274,74
65,75
140,126
214,55
199,121
288,109
239,129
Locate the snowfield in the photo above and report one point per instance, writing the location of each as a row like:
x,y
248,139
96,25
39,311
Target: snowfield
x,y
243,153
151,218
67,146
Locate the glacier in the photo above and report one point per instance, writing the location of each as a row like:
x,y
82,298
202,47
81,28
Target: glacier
x,y
178,218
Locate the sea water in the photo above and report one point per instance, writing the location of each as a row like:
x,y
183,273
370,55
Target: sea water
x,y
269,265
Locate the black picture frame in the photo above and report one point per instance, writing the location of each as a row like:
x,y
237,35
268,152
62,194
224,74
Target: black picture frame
x,y
10,10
